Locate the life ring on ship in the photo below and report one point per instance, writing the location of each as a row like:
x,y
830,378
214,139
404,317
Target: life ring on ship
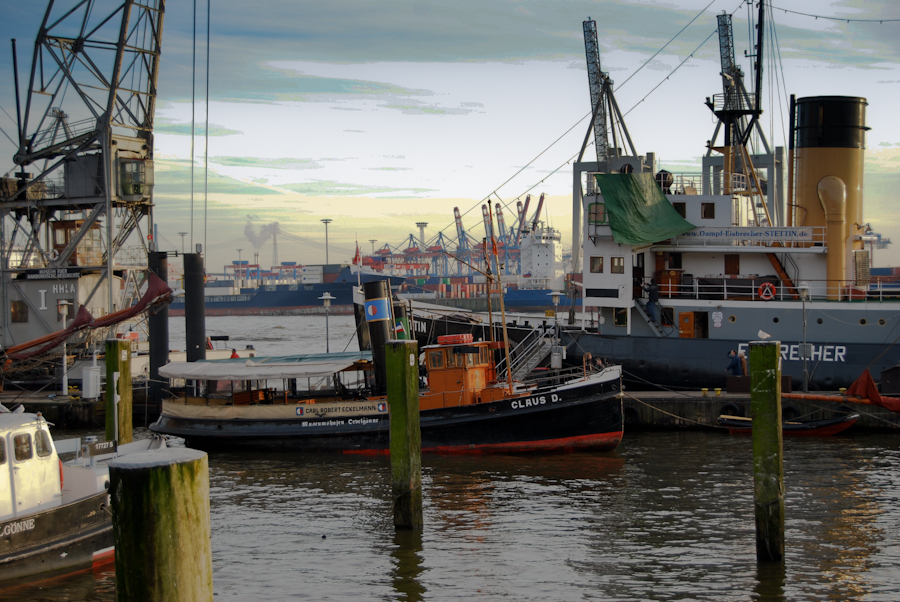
x,y
454,339
766,291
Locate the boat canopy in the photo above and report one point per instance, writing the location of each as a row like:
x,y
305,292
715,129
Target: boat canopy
x,y
262,368
639,212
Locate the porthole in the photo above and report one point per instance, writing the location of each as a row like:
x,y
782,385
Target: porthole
x,y
819,321
732,319
882,321
775,320
862,322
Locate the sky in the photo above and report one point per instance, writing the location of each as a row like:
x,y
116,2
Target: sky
x,y
378,115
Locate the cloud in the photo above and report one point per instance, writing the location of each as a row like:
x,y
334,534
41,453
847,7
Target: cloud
x,y
167,126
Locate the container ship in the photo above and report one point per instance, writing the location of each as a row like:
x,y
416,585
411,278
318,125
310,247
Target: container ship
x,y
246,291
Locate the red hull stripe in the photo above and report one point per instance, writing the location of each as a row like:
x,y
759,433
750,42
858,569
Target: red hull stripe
x,y
602,442
103,557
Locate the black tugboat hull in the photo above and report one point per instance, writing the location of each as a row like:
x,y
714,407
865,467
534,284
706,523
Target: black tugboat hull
x,y
577,417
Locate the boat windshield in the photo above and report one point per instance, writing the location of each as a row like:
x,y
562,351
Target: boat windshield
x,y
435,359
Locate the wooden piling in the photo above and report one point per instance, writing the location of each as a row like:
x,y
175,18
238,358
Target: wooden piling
x,y
406,437
768,449
118,383
160,516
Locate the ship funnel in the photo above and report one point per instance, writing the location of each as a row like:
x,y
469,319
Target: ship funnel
x,y
829,139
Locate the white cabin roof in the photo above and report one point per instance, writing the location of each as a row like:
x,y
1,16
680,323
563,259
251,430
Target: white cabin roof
x,y
262,368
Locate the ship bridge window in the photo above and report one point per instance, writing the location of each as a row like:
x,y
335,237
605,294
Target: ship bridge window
x,y
42,444
18,311
435,359
22,445
597,214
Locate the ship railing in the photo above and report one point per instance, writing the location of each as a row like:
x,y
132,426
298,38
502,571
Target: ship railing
x,y
751,287
521,353
555,377
690,183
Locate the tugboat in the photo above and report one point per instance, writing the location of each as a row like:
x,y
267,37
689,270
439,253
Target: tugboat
x,y
464,407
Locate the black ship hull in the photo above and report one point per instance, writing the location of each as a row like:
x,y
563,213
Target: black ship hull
x,y
67,539
575,417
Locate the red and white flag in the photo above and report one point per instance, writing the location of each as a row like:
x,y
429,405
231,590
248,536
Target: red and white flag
x,y
357,258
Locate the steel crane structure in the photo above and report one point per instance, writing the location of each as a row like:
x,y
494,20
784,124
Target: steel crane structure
x,y
606,119
738,118
83,189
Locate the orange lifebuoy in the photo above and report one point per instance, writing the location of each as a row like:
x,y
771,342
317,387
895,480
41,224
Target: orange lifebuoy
x,y
454,339
766,291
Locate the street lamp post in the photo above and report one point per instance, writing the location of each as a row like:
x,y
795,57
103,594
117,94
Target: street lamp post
x,y
556,354
182,235
804,293
326,221
326,301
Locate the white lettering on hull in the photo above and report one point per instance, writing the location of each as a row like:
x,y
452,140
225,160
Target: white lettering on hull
x,y
818,353
531,402
17,527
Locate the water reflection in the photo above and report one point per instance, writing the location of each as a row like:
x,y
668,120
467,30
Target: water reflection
x,y
668,516
770,578
407,557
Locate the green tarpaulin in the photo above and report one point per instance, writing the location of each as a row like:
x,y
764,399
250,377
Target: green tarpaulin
x,y
639,212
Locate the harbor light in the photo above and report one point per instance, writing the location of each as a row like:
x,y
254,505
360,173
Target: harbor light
x,y
326,300
556,295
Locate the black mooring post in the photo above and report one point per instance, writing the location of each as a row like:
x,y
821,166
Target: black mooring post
x,y
378,319
159,330
194,307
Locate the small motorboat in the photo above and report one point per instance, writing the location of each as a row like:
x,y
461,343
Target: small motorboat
x,y
54,516
739,425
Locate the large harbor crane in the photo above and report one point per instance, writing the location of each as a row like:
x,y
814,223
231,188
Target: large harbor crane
x,y
77,215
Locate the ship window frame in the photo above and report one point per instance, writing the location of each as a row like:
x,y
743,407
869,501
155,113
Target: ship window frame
x,y
436,365
18,311
19,455
597,265
42,444
597,214
707,211
681,208
616,265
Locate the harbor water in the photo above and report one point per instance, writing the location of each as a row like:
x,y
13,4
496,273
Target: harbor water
x,y
668,516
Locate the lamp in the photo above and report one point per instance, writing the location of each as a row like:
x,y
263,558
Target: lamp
x,y
326,300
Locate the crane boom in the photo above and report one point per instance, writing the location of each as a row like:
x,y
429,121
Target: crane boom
x,y
595,84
